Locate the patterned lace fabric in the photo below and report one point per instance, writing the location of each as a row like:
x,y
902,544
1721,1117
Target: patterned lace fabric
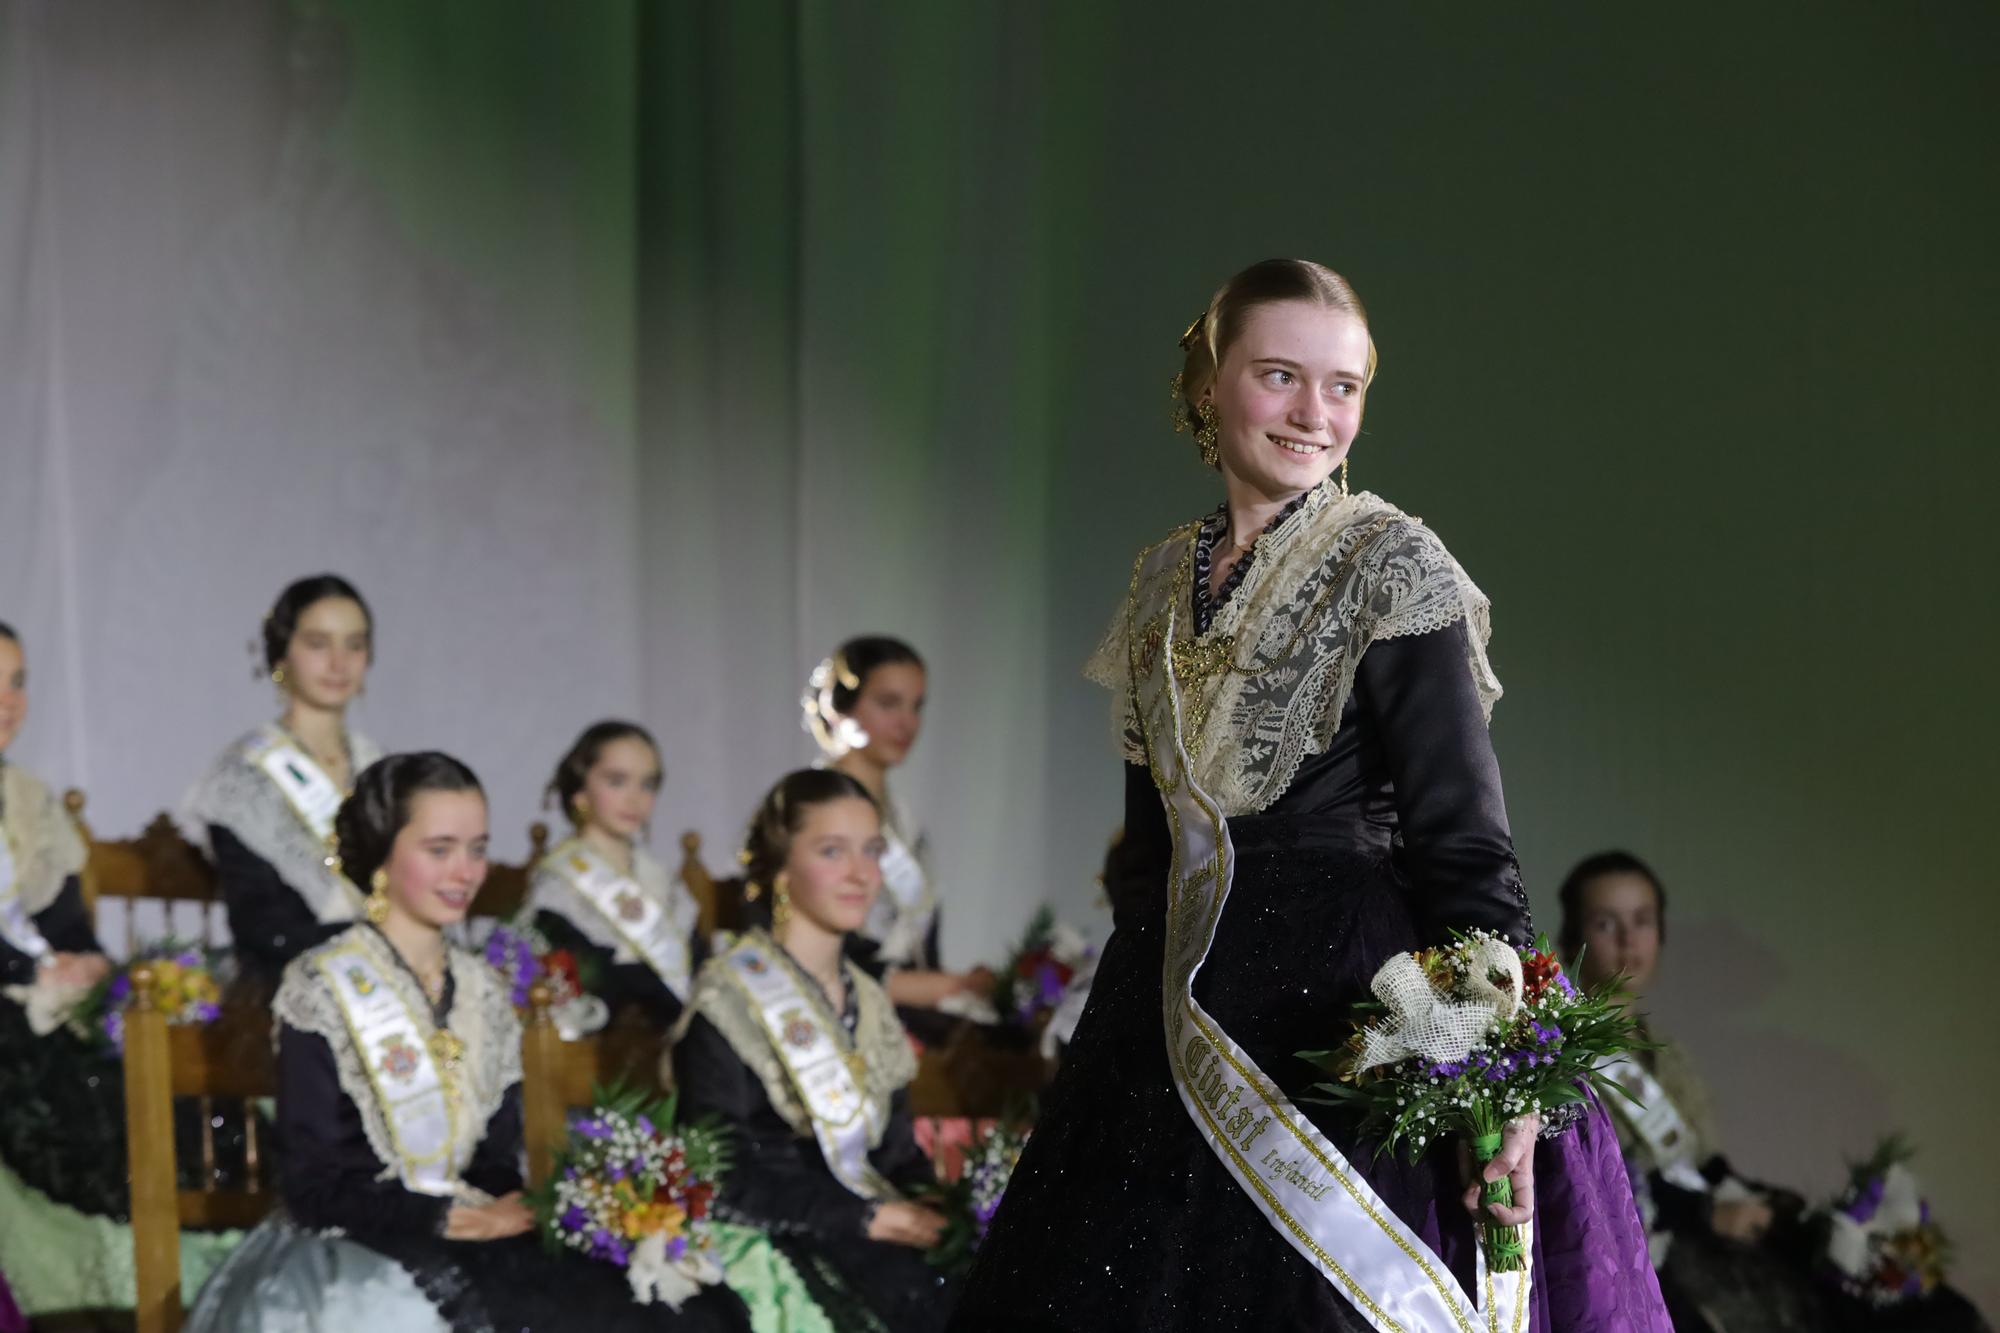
x,y
479,1014
47,849
241,797
1262,687
871,1023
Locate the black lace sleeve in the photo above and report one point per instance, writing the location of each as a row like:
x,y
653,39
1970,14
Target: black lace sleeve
x,y
777,1179
269,922
329,1176
1457,847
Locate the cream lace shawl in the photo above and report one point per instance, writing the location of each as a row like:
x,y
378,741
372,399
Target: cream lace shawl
x,y
888,1062
241,797
1264,687
481,1016
47,848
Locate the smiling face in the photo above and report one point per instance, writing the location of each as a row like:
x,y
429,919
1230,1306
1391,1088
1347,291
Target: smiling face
x,y
834,870
1288,396
438,860
890,709
620,788
327,659
1621,929
13,690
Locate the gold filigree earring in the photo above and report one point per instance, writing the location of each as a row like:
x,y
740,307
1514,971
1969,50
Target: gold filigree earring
x,y
1343,476
781,905
580,809
378,896
1208,435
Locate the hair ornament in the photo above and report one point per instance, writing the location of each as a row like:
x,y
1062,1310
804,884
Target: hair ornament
x,y
836,734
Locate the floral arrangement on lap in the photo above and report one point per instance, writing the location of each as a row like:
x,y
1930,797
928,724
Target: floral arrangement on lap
x,y
522,956
1465,1037
1038,973
1881,1246
631,1189
969,1201
184,986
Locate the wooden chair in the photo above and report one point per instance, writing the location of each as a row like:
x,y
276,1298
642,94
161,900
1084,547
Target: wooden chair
x,y
231,1059
159,865
703,888
558,1075
506,886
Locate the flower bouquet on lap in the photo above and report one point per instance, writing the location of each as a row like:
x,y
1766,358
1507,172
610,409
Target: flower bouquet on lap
x,y
631,1188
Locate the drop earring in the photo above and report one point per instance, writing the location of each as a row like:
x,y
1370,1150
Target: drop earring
x,y
781,905
378,897
1208,435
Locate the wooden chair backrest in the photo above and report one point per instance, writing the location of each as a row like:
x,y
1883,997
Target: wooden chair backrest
x,y
506,886
558,1076
228,1059
700,885
159,865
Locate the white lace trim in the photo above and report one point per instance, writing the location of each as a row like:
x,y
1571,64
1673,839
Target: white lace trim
x,y
1337,574
47,847
481,1016
888,1063
550,890
241,797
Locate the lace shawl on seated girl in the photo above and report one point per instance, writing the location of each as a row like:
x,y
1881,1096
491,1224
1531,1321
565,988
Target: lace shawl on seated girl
x,y
481,1016
239,796
47,848
887,1062
1264,687
550,890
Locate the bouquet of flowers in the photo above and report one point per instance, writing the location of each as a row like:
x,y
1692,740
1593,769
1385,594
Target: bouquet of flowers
x,y
1038,973
1881,1246
184,987
969,1202
630,1188
523,956
1466,1037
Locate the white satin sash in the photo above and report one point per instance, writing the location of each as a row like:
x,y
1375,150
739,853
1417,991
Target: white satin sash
x,y
1656,1120
816,1059
658,933
16,926
1315,1198
314,797
905,885
417,1098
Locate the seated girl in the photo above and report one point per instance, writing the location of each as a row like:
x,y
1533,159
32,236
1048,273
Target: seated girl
x,y
799,1052
399,1109
601,894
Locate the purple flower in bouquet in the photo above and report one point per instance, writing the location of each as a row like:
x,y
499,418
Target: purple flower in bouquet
x,y
514,956
1867,1201
574,1218
677,1248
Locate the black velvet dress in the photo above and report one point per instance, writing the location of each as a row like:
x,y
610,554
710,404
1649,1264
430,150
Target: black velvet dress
x,y
779,1182
1120,1215
331,1179
270,924
62,1098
